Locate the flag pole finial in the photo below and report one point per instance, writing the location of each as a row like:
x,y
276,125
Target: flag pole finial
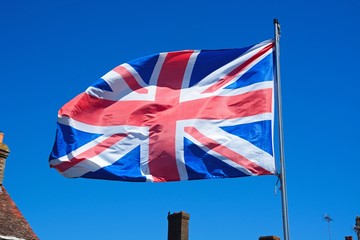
x,y
277,28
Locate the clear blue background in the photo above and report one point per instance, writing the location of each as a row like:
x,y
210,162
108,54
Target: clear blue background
x,y
53,50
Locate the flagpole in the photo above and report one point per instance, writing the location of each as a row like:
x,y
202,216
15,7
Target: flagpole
x,y
281,136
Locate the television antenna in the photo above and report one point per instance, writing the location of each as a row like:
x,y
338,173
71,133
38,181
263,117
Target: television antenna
x,y
328,219
357,226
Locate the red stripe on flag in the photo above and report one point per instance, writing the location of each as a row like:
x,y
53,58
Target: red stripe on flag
x,y
162,157
101,112
92,152
226,152
234,73
228,107
130,79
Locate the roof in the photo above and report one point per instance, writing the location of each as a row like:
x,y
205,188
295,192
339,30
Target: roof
x,y
13,225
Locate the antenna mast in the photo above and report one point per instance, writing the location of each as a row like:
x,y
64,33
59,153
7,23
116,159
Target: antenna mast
x,y
357,227
328,219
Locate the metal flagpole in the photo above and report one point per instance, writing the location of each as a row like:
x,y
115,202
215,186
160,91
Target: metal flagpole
x,y
281,136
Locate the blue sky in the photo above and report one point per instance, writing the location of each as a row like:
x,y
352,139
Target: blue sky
x,y
53,50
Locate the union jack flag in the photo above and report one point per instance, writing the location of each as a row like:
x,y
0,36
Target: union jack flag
x,y
173,116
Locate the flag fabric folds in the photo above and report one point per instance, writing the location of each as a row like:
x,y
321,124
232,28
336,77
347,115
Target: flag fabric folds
x,y
173,116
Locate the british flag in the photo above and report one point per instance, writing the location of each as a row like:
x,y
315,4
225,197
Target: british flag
x,y
173,116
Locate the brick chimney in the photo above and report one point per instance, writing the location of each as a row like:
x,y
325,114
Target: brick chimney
x,y
269,238
178,226
4,153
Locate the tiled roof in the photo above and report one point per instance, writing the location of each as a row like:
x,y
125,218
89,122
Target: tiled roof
x,y
13,225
